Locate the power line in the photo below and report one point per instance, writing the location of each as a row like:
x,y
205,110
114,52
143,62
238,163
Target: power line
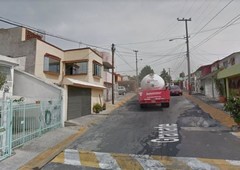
x,y
179,65
157,60
47,33
212,18
124,60
232,21
169,60
164,39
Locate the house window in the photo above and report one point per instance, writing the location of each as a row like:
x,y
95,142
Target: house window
x,y
232,61
225,64
6,71
51,64
76,68
97,69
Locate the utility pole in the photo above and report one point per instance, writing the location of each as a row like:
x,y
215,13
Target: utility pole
x,y
113,51
136,68
169,77
188,57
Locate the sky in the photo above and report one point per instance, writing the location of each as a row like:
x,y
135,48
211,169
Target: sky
x,y
142,25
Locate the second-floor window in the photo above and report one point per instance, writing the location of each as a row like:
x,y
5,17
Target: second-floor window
x,y
97,69
225,64
76,68
51,64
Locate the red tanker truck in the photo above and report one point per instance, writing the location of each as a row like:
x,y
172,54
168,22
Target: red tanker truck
x,y
153,91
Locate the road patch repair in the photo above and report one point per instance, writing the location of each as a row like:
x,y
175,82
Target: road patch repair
x,y
194,119
130,161
217,114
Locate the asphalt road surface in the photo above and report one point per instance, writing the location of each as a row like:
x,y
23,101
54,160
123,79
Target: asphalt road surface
x,y
131,130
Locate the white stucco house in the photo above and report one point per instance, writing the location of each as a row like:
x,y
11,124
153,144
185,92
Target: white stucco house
x,y
83,73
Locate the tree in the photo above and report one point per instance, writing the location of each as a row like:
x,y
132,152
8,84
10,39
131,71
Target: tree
x,y
2,79
145,71
166,77
182,75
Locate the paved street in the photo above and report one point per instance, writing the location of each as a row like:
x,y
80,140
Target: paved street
x,y
131,131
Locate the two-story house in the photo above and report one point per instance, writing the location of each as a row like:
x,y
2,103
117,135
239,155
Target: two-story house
x,y
78,71
230,74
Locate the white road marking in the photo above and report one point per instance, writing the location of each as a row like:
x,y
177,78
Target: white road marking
x,y
71,157
196,164
234,162
147,163
166,133
106,161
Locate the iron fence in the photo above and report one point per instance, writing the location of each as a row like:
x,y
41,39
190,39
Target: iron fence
x,y
5,129
27,121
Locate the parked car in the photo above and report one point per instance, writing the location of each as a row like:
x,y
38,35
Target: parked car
x,y
121,90
175,90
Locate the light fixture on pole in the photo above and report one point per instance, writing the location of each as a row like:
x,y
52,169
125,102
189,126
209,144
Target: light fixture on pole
x,y
188,56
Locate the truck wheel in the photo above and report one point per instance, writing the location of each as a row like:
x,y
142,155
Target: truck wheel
x,y
167,104
142,105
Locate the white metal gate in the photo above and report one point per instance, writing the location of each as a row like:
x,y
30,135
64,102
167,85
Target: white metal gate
x,y
21,122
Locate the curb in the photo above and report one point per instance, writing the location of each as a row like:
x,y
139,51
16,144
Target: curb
x,y
46,156
101,160
121,103
215,113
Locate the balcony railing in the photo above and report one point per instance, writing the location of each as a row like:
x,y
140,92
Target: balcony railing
x,y
107,77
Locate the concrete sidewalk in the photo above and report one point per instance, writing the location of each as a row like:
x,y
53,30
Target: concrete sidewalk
x,y
215,111
39,151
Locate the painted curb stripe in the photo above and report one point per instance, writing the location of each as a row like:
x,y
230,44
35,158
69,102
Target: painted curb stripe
x,y
222,164
148,163
171,163
59,158
106,161
88,159
195,163
127,162
232,162
71,157
43,158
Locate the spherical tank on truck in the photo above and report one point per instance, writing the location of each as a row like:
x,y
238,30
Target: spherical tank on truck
x,y
152,81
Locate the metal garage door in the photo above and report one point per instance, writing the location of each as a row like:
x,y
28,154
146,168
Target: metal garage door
x,y
79,102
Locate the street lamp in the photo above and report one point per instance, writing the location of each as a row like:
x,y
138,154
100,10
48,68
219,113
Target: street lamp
x,y
188,61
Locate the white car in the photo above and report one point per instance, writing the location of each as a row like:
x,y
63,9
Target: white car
x,y
121,90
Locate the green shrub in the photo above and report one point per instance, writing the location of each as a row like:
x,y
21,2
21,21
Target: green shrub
x,y
233,106
97,108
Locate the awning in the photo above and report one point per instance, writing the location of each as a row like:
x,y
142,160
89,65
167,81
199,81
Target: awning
x,y
8,61
229,72
210,75
79,83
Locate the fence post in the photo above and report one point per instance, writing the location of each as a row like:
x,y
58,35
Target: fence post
x,y
10,125
24,121
40,118
61,102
